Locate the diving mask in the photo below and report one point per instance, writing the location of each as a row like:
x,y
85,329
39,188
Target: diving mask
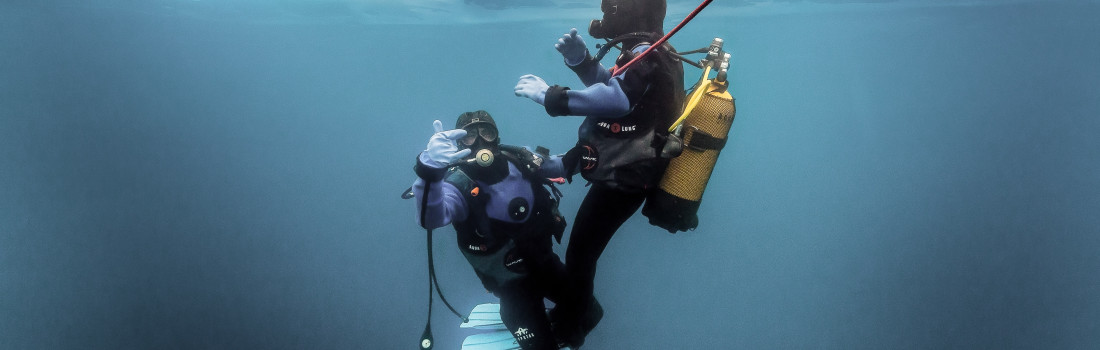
x,y
484,131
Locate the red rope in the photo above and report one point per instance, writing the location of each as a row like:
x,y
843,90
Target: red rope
x,y
664,38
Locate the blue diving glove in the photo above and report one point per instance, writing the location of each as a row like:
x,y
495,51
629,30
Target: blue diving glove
x,y
442,150
532,87
572,48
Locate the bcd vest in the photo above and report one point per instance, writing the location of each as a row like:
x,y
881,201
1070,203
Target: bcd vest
x,y
502,252
624,153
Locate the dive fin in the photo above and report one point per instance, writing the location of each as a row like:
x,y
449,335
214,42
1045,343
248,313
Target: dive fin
x,y
499,340
484,316
487,316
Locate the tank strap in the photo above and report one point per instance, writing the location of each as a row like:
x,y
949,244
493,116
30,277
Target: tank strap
x,y
700,140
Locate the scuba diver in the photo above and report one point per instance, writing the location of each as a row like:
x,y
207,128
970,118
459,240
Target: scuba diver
x,y
504,211
622,141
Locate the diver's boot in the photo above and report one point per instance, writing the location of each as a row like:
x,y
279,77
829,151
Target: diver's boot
x,y
571,327
592,316
567,331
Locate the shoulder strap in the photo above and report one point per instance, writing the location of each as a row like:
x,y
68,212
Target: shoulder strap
x,y
606,47
527,162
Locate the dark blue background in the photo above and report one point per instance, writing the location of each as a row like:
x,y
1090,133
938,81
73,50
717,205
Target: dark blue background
x,y
902,175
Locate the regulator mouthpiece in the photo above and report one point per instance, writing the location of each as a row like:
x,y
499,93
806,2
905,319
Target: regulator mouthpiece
x,y
597,30
484,158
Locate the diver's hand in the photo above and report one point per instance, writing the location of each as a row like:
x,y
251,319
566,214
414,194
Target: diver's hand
x,y
532,87
572,48
442,149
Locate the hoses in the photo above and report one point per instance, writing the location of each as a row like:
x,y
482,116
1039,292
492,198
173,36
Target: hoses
x,y
426,339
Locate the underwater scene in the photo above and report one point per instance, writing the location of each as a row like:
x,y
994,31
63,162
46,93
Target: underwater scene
x,y
228,174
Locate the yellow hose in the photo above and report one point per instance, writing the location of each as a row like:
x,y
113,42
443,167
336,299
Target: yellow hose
x,y
693,100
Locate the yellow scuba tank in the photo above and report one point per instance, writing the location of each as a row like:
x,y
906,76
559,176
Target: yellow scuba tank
x,y
703,128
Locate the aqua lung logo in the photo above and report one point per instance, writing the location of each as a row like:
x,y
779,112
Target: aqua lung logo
x,y
723,117
476,248
523,334
616,128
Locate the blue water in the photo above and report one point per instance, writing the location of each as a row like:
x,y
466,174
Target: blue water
x,y
225,174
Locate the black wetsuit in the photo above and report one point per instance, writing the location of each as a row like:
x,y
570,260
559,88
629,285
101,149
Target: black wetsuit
x,y
618,152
